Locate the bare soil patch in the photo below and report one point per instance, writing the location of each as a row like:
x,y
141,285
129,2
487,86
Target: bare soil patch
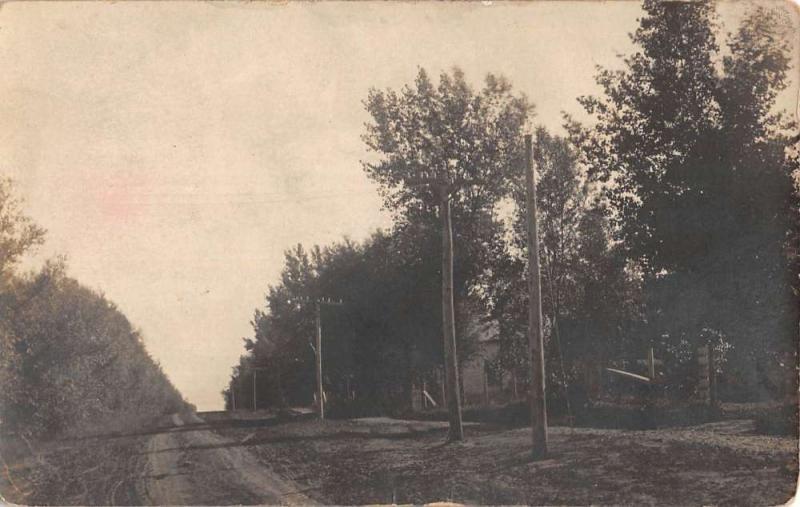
x,y
382,460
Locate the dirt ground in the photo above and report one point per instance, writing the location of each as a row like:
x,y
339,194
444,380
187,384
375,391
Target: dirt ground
x,y
387,461
179,461
258,458
193,465
86,471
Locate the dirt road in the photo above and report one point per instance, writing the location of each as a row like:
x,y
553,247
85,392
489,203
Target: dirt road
x,y
189,464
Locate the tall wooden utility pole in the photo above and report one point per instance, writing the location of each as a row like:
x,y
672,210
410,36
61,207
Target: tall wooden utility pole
x,y
712,376
535,338
443,187
318,357
233,394
255,403
254,369
318,318
449,320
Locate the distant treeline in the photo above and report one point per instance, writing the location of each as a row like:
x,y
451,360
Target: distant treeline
x,y
70,362
670,221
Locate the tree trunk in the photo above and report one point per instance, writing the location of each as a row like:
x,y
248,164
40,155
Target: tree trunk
x,y
448,318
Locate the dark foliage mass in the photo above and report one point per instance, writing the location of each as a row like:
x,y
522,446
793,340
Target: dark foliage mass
x,y
590,300
698,181
670,221
388,332
70,362
387,327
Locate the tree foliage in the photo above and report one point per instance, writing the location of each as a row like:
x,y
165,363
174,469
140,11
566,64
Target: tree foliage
x,y
385,332
471,139
70,362
697,179
18,233
589,300
447,131
671,220
451,132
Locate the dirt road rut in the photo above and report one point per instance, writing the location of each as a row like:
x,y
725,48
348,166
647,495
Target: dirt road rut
x,y
189,464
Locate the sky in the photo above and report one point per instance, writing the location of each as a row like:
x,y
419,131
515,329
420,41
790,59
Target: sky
x,y
174,151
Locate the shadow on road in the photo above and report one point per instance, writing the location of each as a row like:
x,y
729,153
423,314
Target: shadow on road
x,y
411,434
215,423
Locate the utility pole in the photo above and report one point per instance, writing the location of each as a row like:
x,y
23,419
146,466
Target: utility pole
x,y
239,387
448,318
712,376
233,396
318,357
443,187
318,318
254,369
535,338
255,406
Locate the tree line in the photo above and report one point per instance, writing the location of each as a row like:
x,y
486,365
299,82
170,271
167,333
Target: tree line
x,y
670,220
70,361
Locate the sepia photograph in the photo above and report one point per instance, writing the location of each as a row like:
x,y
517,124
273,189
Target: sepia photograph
x,y
291,252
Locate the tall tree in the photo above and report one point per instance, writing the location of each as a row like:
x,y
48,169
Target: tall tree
x,y
653,115
697,177
462,143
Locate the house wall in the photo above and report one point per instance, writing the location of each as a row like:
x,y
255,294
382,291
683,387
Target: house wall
x,y
473,375
476,390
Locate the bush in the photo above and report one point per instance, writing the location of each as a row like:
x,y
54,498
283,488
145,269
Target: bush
x,y
78,364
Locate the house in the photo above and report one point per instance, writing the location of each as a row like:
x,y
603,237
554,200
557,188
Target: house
x,y
478,387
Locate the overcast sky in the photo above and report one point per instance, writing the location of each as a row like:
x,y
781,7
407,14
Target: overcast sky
x,y
173,151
